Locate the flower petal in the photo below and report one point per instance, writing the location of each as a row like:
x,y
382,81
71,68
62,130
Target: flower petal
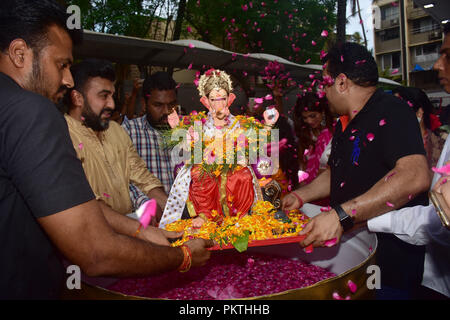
x,y
302,176
370,136
382,122
352,286
444,170
330,243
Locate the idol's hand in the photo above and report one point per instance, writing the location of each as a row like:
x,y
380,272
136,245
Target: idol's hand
x,y
198,222
271,116
173,119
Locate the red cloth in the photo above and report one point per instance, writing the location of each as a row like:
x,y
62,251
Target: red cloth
x,y
204,192
434,122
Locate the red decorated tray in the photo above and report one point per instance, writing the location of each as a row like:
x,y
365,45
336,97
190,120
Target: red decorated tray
x,y
262,243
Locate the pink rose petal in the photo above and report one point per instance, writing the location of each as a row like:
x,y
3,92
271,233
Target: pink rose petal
x,y
106,195
324,33
309,249
352,286
330,243
302,176
342,184
80,146
146,212
389,204
353,212
336,296
370,136
382,122
444,170
390,175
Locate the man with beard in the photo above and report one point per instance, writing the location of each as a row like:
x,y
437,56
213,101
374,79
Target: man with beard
x,y
107,154
160,94
47,207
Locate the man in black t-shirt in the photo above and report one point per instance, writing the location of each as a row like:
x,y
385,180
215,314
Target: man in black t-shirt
x,y
377,164
45,199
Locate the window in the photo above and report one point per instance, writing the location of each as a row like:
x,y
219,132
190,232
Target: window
x,y
390,61
390,34
395,60
389,12
424,25
426,49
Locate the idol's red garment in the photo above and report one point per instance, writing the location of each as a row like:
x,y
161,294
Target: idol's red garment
x,y
207,193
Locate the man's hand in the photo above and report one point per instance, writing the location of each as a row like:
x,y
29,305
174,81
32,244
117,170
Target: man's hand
x,y
199,251
323,227
158,236
290,202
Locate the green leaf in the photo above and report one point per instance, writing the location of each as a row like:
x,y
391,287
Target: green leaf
x,y
241,243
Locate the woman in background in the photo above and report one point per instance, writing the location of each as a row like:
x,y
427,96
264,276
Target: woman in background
x,y
314,130
428,122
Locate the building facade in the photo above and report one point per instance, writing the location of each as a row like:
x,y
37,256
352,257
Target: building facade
x,y
406,42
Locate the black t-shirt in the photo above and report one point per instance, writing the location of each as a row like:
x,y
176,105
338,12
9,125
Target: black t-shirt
x,y
384,131
40,175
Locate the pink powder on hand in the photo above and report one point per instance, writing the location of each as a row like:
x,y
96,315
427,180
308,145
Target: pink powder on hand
x,y
227,276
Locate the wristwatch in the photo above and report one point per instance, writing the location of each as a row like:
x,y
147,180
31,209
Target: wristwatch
x,y
345,220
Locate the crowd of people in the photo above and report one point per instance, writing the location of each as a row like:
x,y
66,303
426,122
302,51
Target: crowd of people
x,y
69,183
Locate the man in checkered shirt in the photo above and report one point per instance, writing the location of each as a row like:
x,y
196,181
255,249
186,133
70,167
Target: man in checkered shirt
x,y
159,91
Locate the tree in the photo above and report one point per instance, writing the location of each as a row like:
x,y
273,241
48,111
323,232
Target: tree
x,y
180,18
289,29
342,19
123,17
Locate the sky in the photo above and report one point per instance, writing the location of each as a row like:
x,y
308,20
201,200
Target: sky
x,y
366,14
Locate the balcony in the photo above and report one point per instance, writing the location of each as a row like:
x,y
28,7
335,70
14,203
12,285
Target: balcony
x,y
386,46
415,13
390,22
423,37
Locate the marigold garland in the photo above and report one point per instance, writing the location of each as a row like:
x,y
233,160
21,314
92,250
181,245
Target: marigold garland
x,y
261,225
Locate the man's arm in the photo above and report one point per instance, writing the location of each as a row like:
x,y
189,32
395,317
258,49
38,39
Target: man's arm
x,y
128,226
83,235
409,178
319,188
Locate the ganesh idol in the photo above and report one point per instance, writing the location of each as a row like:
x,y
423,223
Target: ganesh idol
x,y
215,187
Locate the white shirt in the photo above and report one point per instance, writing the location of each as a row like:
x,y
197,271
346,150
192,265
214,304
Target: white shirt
x,y
420,225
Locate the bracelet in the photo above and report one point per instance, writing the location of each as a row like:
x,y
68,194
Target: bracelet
x,y
138,230
187,260
298,198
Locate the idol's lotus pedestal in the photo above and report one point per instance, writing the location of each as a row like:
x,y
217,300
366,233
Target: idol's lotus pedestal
x,y
350,260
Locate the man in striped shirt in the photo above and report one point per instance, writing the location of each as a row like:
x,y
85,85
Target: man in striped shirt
x,y
159,91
